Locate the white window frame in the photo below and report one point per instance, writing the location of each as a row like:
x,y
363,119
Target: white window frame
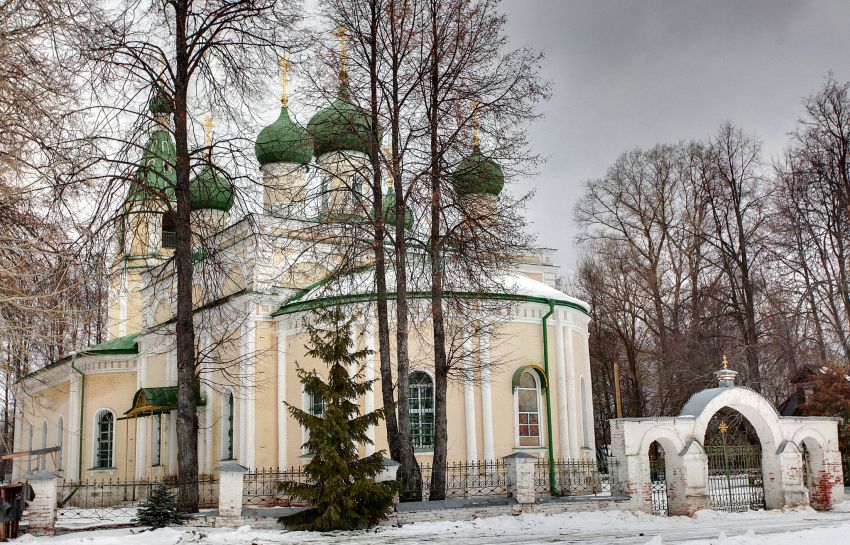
x,y
540,416
307,406
96,439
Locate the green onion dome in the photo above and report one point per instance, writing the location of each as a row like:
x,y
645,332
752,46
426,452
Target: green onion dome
x,y
211,190
389,211
341,126
478,175
284,141
155,177
159,104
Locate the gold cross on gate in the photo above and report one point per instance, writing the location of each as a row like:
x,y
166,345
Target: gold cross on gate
x,y
723,427
284,67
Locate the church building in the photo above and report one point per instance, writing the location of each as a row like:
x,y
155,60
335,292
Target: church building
x,y
521,377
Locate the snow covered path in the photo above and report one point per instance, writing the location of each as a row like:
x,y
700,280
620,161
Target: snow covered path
x,y
793,527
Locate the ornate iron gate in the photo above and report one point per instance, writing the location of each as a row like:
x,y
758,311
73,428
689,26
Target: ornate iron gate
x,y
735,481
658,484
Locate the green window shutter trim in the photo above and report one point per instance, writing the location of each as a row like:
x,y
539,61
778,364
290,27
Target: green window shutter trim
x,y
544,383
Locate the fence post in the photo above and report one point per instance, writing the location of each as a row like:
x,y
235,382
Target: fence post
x,y
520,468
389,473
230,487
42,508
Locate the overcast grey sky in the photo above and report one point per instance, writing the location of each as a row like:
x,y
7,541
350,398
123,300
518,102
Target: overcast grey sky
x,y
635,73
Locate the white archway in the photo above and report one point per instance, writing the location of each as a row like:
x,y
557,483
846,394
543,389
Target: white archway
x,y
683,437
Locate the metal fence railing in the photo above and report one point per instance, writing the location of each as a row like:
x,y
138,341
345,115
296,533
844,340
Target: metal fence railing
x,y
577,477
116,501
467,480
261,486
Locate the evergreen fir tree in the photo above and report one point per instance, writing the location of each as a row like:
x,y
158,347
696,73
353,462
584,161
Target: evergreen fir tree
x,y
343,493
159,509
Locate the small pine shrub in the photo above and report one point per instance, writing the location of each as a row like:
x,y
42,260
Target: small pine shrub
x,y
160,509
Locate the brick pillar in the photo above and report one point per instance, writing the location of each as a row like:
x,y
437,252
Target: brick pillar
x,y
520,468
793,492
691,494
389,473
230,485
42,509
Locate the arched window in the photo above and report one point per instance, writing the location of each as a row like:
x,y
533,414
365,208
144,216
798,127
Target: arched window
x,y
584,431
103,439
169,230
29,448
421,410
528,411
227,426
156,440
42,458
60,441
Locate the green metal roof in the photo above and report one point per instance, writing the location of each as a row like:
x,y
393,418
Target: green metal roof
x,y
284,141
211,190
341,126
478,174
121,345
148,401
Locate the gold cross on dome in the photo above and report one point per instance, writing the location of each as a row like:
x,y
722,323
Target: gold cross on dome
x,y
343,35
208,127
284,67
388,156
725,362
473,104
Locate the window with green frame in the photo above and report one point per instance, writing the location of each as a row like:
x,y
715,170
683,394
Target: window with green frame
x,y
421,395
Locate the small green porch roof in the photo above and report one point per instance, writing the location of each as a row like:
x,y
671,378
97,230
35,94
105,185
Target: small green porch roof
x,y
122,345
150,401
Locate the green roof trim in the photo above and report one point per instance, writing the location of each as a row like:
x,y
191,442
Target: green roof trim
x,y
541,374
121,345
300,306
150,401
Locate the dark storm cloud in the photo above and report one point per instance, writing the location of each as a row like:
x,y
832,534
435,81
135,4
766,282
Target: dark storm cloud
x,y
634,73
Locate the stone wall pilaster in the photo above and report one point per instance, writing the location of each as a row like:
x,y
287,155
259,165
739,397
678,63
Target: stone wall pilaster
x,y
230,485
42,509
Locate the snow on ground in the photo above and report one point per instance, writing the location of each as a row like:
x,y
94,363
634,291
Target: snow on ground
x,y
780,527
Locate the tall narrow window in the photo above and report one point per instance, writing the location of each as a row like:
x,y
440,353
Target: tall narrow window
x,y
584,431
421,410
156,440
29,448
60,441
42,458
227,426
169,230
104,435
325,189
528,410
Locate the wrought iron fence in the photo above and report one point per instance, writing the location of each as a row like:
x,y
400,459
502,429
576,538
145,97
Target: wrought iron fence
x,y
658,485
577,477
735,481
261,486
467,480
116,501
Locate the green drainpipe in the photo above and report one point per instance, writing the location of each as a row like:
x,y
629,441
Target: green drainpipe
x,y
82,401
552,489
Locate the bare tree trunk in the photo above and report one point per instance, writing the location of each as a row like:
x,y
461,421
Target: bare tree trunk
x,y
441,366
187,416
